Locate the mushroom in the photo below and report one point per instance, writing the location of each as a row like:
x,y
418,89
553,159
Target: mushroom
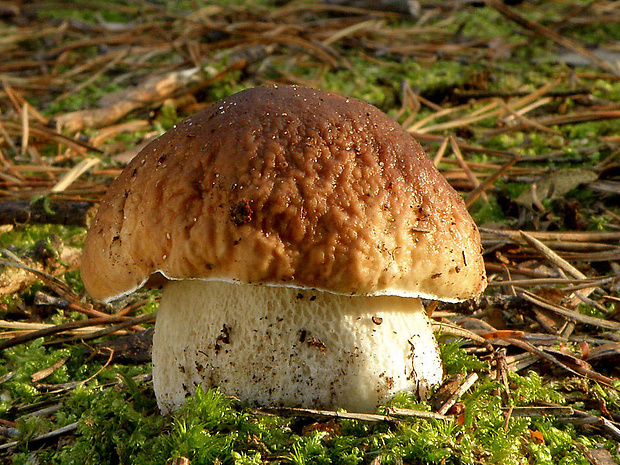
x,y
297,231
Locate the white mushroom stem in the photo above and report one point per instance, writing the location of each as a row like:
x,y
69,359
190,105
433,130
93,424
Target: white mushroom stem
x,y
279,346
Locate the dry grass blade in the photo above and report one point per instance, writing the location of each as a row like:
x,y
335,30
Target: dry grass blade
x,y
25,130
418,126
42,374
298,8
353,29
441,151
58,388
465,147
516,363
491,110
111,131
575,284
15,326
527,121
558,120
112,63
542,354
47,134
53,281
552,256
585,418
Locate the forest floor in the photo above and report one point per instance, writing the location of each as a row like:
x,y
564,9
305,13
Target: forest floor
x,y
517,105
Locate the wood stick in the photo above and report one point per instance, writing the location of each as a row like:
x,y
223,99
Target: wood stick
x,y
129,322
307,412
36,441
576,236
407,412
562,264
59,329
540,411
69,213
467,383
154,89
552,256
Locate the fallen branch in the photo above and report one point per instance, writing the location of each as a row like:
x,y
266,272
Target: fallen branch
x,y
59,329
129,322
153,90
78,213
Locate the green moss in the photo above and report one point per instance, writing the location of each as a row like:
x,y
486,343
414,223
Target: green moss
x,y
167,117
89,11
532,388
487,212
123,426
456,360
26,236
111,429
484,23
84,98
587,132
25,360
377,81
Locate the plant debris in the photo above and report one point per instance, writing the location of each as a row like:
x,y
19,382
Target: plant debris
x,y
517,103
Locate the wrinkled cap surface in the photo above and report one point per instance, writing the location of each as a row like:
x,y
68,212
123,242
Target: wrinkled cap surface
x,y
286,186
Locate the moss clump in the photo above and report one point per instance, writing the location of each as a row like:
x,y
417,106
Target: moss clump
x,y
457,361
26,236
25,360
123,425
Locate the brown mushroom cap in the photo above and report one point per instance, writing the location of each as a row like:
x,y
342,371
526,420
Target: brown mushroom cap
x,y
286,186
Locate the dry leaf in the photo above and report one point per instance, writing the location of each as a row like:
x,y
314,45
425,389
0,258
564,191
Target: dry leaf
x,y
537,437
